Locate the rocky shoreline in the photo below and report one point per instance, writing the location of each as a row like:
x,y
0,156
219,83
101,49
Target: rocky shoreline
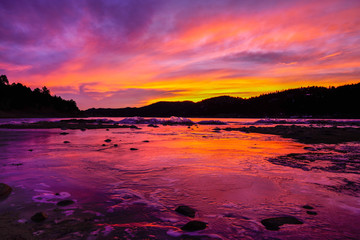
x,y
307,134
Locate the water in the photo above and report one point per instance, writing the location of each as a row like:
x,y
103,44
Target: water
x,y
132,194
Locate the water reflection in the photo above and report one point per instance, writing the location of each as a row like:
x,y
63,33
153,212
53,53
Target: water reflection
x,y
224,175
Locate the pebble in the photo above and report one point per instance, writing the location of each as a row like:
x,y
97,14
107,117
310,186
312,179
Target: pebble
x,y
273,224
186,211
308,207
65,202
194,226
133,149
39,217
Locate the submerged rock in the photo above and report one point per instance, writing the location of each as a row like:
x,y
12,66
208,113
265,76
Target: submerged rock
x,y
39,217
194,226
186,211
5,190
273,224
65,202
308,207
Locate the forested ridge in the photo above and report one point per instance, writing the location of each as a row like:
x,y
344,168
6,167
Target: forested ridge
x,y
17,100
322,102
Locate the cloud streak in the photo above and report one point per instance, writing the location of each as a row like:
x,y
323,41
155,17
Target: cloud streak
x,y
170,49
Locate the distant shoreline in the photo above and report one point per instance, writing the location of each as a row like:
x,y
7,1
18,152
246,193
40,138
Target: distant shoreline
x,y
308,132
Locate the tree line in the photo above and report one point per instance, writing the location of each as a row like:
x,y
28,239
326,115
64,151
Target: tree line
x,y
316,102
19,100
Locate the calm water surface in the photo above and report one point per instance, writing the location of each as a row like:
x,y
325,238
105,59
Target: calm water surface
x,y
225,176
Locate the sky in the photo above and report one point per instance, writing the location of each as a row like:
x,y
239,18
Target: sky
x,y
130,53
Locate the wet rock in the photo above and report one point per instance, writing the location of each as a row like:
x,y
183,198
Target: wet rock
x,y
115,145
30,150
146,141
16,164
311,212
39,217
5,191
194,226
133,149
103,145
308,207
230,215
66,141
186,211
107,140
65,202
64,133
273,224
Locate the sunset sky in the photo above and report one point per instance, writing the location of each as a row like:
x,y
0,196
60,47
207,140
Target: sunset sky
x,y
135,52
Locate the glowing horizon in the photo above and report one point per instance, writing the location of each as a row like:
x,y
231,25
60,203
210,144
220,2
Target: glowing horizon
x,y
133,53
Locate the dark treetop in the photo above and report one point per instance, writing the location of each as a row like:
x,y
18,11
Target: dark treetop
x,y
17,100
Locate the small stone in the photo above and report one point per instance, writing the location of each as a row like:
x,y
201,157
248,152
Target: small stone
x,y
66,141
194,226
65,202
16,164
103,145
5,190
273,224
115,145
308,207
83,129
57,194
107,140
30,150
311,212
146,141
133,149
39,217
186,211
107,129
64,133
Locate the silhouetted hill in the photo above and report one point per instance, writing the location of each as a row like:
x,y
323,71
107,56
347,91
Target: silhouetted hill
x,y
321,102
17,100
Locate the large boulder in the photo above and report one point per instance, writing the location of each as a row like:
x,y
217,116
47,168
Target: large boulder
x,y
274,223
5,191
